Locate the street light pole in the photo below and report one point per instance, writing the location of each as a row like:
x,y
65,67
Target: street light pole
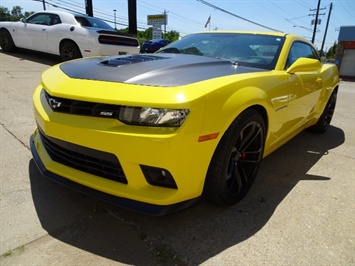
x,y
114,13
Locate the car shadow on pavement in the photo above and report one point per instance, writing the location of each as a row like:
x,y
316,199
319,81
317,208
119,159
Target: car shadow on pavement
x,y
38,57
189,237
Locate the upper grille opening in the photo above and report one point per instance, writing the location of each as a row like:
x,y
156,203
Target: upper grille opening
x,y
82,107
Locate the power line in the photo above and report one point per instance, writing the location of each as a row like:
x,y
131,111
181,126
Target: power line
x,y
234,15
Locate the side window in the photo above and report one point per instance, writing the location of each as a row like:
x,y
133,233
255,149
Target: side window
x,y
300,49
40,19
83,21
55,19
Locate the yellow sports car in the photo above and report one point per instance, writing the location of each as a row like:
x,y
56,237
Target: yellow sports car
x,y
154,133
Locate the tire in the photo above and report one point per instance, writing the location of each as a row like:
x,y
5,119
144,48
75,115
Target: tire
x,y
6,42
236,160
327,115
69,51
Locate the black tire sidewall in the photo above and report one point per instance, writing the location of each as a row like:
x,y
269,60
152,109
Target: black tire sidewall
x,y
11,45
75,48
215,184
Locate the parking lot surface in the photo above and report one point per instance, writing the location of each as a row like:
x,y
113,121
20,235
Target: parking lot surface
x,y
300,210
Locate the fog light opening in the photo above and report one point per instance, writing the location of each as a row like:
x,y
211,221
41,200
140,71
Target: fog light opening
x,y
158,177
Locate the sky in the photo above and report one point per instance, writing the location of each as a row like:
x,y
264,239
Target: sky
x,y
188,16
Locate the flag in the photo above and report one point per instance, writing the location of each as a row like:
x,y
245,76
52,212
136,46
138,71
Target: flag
x,y
208,21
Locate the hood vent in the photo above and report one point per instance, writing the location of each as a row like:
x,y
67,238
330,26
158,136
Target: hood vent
x,y
131,59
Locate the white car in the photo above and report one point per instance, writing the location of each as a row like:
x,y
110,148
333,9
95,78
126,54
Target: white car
x,y
66,34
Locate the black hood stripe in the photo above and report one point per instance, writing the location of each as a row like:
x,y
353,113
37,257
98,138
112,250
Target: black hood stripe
x,y
153,70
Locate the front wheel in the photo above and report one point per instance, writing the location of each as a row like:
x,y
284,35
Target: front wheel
x,y
6,42
236,160
69,51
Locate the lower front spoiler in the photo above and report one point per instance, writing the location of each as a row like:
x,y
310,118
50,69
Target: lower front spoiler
x,y
141,207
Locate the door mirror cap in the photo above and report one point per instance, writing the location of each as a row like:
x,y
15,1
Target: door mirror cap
x,y
304,65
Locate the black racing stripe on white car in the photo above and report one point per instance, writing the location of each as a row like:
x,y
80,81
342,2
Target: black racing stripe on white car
x,y
153,70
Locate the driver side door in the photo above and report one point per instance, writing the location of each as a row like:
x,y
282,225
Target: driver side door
x,y
33,34
305,87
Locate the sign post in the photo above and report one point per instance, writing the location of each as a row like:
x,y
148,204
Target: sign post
x,y
157,21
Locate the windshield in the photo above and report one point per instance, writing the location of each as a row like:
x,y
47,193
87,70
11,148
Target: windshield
x,y
254,50
92,22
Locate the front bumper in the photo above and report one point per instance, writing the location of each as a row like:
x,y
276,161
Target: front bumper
x,y
141,207
176,150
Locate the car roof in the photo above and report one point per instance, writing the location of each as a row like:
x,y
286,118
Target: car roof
x,y
65,16
280,34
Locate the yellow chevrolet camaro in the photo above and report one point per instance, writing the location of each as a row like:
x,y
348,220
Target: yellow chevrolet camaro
x,y
156,132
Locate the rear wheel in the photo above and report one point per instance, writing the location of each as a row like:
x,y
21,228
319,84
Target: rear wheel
x,y
69,50
327,115
6,42
236,160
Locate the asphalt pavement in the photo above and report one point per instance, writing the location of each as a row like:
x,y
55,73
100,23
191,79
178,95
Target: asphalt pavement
x,y
300,210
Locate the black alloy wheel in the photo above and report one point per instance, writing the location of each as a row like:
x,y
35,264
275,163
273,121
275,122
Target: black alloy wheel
x,y
327,115
6,41
237,158
69,51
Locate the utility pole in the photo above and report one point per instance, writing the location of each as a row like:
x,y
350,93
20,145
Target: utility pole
x,y
132,16
44,4
114,14
164,21
326,29
315,22
89,8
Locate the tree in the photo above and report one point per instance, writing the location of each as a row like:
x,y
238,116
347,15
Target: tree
x,y
332,51
15,14
148,33
171,35
4,14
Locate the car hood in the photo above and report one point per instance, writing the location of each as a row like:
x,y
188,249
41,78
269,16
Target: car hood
x,y
153,70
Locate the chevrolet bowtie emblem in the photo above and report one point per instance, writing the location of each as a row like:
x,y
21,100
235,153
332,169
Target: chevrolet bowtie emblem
x,y
53,103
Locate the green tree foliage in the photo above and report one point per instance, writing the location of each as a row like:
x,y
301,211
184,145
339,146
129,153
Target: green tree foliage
x,y
171,35
14,15
147,34
332,51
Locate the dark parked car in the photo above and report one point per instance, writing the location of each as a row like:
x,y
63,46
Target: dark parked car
x,y
153,45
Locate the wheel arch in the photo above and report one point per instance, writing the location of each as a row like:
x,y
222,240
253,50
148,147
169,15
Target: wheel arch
x,y
231,107
68,40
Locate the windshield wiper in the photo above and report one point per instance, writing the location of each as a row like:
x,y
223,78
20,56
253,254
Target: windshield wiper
x,y
234,62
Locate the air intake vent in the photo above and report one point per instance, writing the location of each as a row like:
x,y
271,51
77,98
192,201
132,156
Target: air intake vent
x,y
88,160
131,59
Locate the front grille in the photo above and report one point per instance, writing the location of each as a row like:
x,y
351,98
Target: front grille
x,y
82,107
88,160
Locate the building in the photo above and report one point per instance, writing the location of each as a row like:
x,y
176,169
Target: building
x,y
345,56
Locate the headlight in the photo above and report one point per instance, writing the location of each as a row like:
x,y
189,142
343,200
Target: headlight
x,y
146,116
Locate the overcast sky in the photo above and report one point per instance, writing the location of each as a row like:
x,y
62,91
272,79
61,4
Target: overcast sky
x,y
187,16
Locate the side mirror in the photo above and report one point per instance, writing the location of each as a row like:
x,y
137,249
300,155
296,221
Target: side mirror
x,y
304,65
23,20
